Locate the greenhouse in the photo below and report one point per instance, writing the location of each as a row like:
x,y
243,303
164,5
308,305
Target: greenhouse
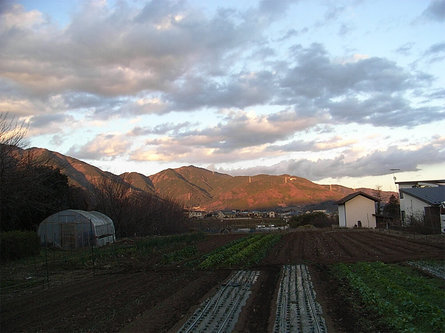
x,y
71,228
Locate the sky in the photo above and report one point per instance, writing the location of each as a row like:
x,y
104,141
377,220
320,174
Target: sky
x,y
338,92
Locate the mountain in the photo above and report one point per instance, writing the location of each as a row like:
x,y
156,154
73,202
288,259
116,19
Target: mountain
x,y
80,174
138,181
211,190
198,187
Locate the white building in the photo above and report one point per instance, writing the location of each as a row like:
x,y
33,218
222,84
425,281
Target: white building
x,y
416,201
357,210
197,214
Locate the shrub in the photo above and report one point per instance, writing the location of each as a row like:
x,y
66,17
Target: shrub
x,y
317,219
18,244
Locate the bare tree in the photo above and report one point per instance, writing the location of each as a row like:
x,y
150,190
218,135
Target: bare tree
x,y
112,197
12,131
379,195
29,189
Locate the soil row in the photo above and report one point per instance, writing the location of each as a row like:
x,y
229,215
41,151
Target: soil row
x,y
332,246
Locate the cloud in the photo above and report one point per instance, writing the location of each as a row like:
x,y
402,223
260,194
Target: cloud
x,y
274,9
240,136
406,48
103,146
366,90
117,51
436,48
116,60
374,164
435,53
122,61
315,76
382,110
165,128
435,11
313,145
239,90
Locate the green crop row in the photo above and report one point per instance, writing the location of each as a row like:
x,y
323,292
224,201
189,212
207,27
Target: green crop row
x,y
253,252
181,254
219,255
405,300
162,241
247,250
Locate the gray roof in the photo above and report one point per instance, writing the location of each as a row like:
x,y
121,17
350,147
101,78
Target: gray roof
x,y
430,195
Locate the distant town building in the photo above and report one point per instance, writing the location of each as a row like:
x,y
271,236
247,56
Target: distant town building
x,y
197,214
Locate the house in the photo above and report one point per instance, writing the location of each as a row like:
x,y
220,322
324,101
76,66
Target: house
x,y
197,214
357,210
422,204
421,183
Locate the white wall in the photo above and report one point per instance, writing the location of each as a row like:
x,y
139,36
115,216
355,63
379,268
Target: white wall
x,y
341,216
361,209
412,207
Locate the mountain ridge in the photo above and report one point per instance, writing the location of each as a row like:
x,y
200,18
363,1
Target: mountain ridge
x,y
199,188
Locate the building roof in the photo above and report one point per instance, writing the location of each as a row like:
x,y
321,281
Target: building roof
x,y
430,195
420,182
355,194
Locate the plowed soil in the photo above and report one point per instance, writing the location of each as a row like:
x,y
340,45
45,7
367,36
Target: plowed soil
x,y
157,300
333,246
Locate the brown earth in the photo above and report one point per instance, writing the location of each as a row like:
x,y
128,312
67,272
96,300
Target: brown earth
x,y
333,246
159,300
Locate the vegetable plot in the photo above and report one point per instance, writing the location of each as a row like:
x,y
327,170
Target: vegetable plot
x,y
220,312
297,308
434,267
246,251
406,300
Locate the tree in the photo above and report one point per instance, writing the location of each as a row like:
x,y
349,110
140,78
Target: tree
x,y
12,131
317,219
378,195
392,208
111,197
29,190
135,212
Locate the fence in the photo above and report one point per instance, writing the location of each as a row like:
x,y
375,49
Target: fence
x,y
55,266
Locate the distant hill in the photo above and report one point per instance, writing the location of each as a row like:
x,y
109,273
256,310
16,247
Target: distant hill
x,y
198,187
211,190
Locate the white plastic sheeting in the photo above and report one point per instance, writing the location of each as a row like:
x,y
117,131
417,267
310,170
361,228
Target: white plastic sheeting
x,y
76,228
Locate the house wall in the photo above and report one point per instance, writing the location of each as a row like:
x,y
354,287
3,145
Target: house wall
x,y
360,209
341,216
412,207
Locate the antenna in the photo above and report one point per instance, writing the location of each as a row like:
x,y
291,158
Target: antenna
x,y
393,176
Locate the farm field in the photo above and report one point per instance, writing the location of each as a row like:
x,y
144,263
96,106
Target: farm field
x,y
162,292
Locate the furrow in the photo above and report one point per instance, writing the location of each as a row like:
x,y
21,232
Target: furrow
x,y
297,309
220,312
